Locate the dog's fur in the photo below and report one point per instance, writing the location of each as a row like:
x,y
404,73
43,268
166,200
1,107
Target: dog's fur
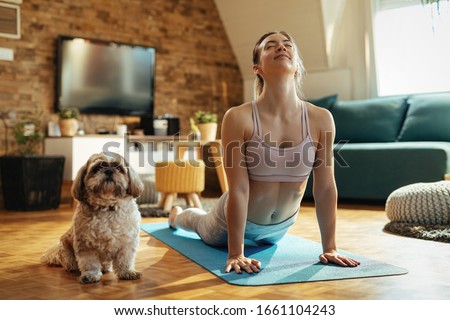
x,y
106,222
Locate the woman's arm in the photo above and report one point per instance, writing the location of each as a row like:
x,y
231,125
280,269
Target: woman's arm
x,y
234,125
325,192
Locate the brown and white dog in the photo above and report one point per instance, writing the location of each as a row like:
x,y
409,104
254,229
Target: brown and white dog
x,y
106,222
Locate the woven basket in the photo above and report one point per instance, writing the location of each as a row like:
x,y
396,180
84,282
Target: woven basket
x,y
180,176
420,203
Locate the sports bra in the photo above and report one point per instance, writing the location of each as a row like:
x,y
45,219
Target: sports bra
x,y
268,163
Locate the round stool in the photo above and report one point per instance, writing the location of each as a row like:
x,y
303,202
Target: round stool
x,y
420,203
180,176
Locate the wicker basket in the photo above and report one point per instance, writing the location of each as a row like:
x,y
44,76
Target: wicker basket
x,y
31,182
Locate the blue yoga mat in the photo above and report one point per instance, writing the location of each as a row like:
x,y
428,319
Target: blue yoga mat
x,y
291,260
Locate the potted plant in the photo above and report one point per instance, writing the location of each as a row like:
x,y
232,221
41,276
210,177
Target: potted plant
x,y
30,181
68,121
206,122
28,135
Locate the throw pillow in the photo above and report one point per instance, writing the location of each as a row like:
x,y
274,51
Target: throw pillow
x,y
428,118
371,120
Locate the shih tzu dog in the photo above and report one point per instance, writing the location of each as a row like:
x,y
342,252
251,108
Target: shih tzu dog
x,y
106,222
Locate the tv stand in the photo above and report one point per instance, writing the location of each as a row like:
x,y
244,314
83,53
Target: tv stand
x,y
78,149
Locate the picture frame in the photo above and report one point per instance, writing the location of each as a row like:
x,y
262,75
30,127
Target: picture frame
x,y
10,20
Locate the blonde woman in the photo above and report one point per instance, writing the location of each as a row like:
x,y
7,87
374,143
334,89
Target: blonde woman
x,y
271,145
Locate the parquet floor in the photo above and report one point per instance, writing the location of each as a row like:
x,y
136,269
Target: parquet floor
x,y
169,275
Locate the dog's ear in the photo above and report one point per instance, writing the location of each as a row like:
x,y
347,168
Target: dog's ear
x,y
78,188
136,186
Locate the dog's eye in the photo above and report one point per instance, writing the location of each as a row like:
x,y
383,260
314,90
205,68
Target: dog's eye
x,y
104,164
96,169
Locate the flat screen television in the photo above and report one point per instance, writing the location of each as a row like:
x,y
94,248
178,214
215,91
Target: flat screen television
x,y
103,77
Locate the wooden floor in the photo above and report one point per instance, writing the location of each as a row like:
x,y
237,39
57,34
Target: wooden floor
x,y
169,275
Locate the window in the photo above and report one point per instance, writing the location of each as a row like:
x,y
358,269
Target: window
x,y
412,47
9,21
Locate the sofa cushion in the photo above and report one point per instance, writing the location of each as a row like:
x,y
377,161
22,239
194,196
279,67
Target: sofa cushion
x,y
371,120
427,119
373,170
326,102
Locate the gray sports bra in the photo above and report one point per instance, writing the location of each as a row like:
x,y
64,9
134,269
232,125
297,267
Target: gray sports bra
x,y
267,163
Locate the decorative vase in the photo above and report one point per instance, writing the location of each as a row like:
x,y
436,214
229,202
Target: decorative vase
x,y
68,127
207,131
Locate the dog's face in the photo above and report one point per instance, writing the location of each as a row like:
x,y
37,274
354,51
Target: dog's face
x,y
106,177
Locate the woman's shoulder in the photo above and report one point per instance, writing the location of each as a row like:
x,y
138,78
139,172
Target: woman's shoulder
x,y
313,109
239,113
320,118
238,120
243,108
318,112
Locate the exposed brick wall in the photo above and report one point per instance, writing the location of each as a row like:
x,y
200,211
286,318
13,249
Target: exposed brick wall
x,y
195,66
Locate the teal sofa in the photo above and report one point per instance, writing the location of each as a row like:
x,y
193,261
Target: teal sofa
x,y
382,144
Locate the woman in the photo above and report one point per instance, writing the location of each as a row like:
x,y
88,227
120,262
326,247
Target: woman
x,y
270,147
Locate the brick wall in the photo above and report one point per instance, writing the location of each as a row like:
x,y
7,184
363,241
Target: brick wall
x,y
195,66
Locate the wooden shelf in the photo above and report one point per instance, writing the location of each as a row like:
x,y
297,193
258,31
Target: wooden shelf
x,y
135,138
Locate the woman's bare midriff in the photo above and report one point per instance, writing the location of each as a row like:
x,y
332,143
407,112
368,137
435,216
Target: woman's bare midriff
x,y
274,202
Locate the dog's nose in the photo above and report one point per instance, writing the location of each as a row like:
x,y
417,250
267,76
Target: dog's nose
x,y
109,172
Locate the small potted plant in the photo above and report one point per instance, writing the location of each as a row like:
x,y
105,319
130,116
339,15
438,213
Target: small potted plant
x,y
206,122
30,181
68,121
28,135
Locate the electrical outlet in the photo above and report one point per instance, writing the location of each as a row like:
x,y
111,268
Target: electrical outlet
x,y
6,54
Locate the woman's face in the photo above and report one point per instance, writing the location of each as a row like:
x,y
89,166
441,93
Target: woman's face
x,y
276,52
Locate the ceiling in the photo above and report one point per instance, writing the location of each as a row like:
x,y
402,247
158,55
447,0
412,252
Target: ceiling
x,y
245,21
324,30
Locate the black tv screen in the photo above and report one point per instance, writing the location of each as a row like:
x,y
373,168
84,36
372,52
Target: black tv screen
x,y
101,77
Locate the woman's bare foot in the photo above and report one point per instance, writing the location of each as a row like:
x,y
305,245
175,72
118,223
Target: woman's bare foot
x,y
173,214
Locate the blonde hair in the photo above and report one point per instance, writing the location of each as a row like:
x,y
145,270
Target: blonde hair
x,y
298,78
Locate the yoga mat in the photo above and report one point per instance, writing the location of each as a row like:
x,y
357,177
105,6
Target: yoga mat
x,y
291,260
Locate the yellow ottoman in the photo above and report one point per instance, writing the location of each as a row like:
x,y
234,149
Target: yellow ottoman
x,y
180,176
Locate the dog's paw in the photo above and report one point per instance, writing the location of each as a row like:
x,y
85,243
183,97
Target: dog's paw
x,y
90,277
71,267
130,275
107,267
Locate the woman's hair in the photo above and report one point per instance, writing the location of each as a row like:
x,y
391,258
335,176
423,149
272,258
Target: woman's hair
x,y
259,81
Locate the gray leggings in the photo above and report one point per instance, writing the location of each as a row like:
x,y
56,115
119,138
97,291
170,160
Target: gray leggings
x,y
212,227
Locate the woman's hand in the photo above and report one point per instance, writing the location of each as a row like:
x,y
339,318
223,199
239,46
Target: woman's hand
x,y
338,259
239,263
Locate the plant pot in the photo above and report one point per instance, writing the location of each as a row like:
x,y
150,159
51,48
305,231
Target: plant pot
x,y
208,131
68,127
31,182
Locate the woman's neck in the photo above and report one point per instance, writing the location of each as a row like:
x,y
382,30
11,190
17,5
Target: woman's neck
x,y
279,93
